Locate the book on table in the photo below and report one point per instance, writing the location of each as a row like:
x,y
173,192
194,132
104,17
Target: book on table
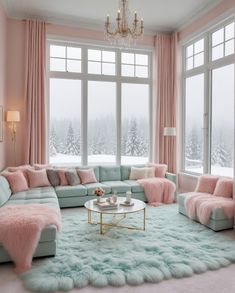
x,y
107,206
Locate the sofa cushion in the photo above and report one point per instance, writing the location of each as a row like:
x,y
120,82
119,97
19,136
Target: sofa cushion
x,y
160,169
87,176
70,191
38,178
5,191
95,168
35,193
92,186
110,173
206,183
52,202
17,181
135,186
118,186
224,187
142,173
72,177
53,177
126,170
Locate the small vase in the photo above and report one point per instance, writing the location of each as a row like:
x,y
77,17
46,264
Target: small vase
x,y
99,198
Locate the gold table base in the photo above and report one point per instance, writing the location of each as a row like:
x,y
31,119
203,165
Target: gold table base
x,y
115,223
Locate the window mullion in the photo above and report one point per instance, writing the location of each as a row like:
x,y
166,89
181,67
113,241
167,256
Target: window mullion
x,y
118,108
84,110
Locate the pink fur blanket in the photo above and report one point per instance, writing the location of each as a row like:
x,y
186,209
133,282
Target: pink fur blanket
x,y
20,230
200,206
158,190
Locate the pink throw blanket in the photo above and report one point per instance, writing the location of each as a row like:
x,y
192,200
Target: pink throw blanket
x,y
20,230
200,206
158,190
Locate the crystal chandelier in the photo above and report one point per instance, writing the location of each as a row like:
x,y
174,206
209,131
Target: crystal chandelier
x,y
124,35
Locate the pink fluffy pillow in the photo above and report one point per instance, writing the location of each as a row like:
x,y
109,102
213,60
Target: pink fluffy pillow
x,y
38,178
62,176
22,168
87,176
160,169
224,187
17,181
206,183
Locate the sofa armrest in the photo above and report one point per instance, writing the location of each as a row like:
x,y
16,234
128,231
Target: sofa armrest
x,y
171,176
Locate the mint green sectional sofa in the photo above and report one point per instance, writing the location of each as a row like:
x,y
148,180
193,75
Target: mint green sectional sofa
x,y
110,178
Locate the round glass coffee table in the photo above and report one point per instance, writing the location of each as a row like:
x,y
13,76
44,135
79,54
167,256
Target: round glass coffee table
x,y
119,214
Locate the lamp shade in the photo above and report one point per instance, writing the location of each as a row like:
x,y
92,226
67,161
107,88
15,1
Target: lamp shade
x,y
169,131
13,116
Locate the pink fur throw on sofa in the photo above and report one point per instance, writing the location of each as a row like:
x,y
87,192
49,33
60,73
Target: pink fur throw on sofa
x,y
20,230
199,206
158,190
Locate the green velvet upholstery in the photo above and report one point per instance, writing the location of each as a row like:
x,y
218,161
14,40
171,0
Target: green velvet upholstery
x,y
35,193
135,186
5,191
218,219
70,191
92,186
118,186
110,173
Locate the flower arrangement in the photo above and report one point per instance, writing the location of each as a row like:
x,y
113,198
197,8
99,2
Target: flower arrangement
x,y
99,191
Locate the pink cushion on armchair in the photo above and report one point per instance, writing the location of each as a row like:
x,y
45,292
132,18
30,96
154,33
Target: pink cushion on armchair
x,y
206,184
17,181
224,187
38,178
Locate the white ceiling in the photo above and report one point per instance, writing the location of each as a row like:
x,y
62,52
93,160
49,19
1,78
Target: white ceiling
x,y
159,15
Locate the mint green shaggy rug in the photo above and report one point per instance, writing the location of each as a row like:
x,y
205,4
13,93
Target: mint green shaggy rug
x,y
172,247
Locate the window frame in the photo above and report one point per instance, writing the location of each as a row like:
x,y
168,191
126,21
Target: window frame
x,y
84,76
206,69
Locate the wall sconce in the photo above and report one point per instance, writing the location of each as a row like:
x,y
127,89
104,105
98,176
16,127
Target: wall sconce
x,y
13,117
169,131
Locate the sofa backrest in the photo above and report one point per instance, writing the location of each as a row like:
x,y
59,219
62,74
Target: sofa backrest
x,y
5,191
110,173
126,170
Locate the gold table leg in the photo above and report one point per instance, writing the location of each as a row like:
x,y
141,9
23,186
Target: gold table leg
x,y
144,218
101,223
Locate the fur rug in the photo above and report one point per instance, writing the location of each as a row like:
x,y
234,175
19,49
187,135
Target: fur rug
x,y
172,246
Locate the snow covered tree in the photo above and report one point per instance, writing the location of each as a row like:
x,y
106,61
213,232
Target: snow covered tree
x,y
53,142
71,146
133,142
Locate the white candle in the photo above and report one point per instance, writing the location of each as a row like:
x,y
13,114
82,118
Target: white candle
x,y
135,15
119,13
108,18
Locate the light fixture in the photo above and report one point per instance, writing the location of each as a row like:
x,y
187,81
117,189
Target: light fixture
x,y
169,131
13,117
125,33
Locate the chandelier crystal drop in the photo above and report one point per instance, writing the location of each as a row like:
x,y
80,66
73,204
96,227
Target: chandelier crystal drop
x,y
125,33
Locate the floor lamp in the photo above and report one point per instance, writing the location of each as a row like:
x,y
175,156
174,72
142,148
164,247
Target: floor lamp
x,y
171,131
13,117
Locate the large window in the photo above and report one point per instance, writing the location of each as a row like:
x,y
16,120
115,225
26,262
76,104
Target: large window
x,y
135,123
100,101
65,121
222,140
101,122
209,103
194,98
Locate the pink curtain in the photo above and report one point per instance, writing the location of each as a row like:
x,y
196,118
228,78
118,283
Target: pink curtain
x,y
35,105
165,102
